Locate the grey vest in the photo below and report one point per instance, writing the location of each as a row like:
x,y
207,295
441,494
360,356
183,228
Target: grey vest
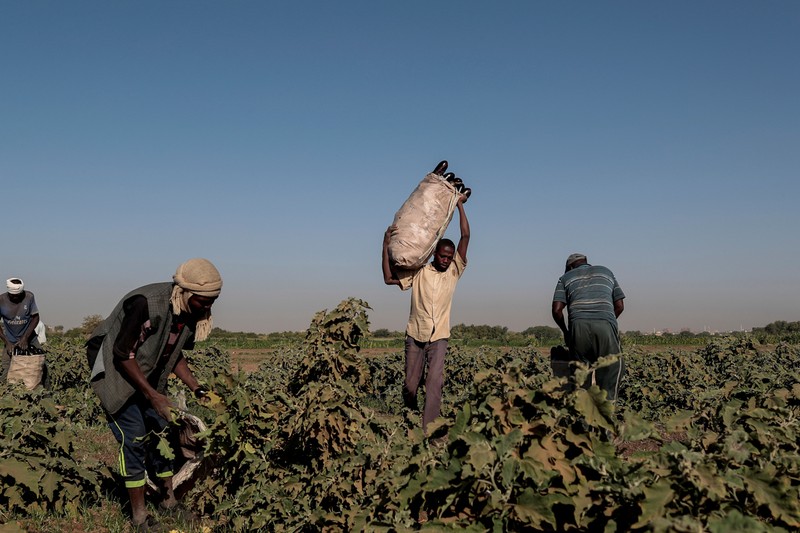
x,y
113,386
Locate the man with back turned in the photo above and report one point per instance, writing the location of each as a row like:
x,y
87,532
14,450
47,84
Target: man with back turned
x,y
594,301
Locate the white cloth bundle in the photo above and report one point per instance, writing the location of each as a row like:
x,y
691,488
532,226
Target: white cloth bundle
x,y
421,222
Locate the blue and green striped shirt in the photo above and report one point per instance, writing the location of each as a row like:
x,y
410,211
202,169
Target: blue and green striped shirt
x,y
589,291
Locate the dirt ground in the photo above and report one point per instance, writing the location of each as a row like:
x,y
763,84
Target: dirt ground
x,y
248,359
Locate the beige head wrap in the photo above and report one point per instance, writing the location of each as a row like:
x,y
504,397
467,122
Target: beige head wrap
x,y
196,276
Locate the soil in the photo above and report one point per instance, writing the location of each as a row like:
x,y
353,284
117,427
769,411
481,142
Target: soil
x,y
248,359
627,449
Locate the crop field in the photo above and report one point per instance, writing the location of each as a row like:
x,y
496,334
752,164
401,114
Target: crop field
x,y
314,437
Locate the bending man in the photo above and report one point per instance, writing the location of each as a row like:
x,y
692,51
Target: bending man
x,y
19,316
133,352
594,300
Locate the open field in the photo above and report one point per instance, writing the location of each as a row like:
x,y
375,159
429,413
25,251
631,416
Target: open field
x,y
248,359
314,437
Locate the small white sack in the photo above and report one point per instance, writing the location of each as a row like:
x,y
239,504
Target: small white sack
x,y
421,222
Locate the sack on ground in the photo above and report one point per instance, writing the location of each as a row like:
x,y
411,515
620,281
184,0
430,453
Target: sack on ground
x,y
421,222
188,453
29,369
561,361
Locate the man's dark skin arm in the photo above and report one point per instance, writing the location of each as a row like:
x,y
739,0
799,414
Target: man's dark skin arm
x,y
463,242
619,307
25,340
558,316
159,401
185,374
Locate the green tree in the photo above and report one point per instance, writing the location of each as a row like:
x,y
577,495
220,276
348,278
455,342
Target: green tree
x,y
544,333
89,323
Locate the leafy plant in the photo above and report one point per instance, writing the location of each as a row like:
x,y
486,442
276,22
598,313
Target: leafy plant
x,y
38,469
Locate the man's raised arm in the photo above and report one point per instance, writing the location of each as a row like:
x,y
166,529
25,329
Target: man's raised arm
x,y
463,242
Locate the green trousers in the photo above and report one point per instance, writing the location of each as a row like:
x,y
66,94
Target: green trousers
x,y
591,339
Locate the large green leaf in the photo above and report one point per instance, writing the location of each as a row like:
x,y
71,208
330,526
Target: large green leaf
x,y
480,456
21,473
49,485
768,492
535,509
655,503
734,521
594,407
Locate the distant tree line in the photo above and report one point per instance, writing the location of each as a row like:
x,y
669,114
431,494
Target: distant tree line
x,y
778,331
81,332
241,339
779,327
484,334
466,334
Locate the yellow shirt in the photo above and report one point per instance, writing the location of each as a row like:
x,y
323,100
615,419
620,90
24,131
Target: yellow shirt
x,y
431,299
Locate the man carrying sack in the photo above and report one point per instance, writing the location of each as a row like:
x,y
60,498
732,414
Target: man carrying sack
x,y
428,330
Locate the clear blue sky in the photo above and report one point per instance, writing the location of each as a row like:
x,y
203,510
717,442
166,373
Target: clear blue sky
x,y
278,139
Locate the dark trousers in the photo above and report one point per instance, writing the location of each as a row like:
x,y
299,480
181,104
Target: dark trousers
x,y
417,355
608,378
130,425
592,339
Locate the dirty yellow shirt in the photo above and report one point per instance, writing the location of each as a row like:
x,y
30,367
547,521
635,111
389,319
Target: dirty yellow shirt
x,y
431,299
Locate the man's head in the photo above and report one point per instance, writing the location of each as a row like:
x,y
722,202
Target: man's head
x,y
575,260
443,255
197,286
16,289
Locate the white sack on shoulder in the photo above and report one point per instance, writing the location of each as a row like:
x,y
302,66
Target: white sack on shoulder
x,y
421,222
